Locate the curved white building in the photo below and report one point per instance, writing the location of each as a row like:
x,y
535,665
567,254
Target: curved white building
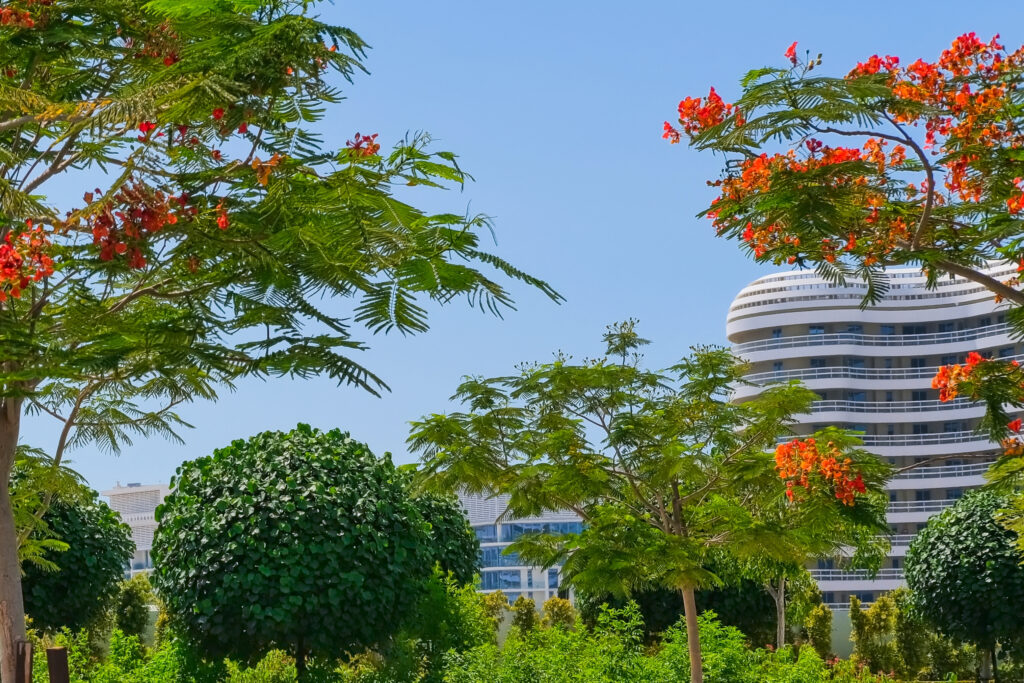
x,y
872,369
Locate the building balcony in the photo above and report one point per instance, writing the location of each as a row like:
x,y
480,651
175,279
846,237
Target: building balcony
x,y
944,476
854,339
856,574
842,406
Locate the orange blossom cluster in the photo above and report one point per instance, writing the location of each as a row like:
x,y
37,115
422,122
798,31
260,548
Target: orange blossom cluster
x,y
23,259
801,462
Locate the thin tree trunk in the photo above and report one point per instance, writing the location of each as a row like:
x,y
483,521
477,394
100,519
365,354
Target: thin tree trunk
x,y
985,666
12,606
995,665
780,613
300,660
693,636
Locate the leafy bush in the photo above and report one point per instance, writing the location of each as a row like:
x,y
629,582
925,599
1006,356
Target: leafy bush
x,y
819,630
79,593
559,612
131,608
524,615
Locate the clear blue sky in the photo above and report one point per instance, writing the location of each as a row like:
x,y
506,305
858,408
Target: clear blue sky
x,y
556,109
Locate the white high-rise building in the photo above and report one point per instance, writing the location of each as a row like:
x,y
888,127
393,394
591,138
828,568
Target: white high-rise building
x,y
872,369
136,504
507,573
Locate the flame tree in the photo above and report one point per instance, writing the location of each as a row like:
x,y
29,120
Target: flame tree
x,y
170,221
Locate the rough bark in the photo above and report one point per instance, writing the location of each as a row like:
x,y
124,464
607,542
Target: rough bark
x,y
693,636
12,606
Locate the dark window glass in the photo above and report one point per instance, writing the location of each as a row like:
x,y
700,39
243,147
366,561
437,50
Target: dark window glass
x,y
815,329
918,362
946,327
818,362
919,395
887,329
858,396
920,429
914,329
486,534
1008,351
777,333
923,494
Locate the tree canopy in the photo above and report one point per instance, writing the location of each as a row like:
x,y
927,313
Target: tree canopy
x,y
174,220
890,164
81,586
661,466
965,575
302,541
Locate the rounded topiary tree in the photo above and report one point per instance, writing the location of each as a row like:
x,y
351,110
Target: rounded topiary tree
x,y
453,542
965,575
88,573
301,541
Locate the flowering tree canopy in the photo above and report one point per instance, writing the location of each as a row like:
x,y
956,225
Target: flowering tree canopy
x,y
891,164
170,220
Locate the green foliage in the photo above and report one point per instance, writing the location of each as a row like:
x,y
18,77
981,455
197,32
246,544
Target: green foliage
x,y
524,615
132,606
495,605
80,590
613,651
886,636
558,613
226,239
245,536
452,540
35,479
819,630
449,616
964,573
663,468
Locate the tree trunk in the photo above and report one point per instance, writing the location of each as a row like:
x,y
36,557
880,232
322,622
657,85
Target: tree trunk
x,y
985,666
693,636
12,606
780,613
995,665
300,660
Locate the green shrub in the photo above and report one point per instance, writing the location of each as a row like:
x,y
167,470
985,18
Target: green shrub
x,y
131,607
524,615
559,612
819,630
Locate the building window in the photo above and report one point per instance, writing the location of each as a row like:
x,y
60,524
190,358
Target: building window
x,y
552,578
946,327
954,494
890,429
502,579
923,494
818,362
1008,351
822,395
888,363
777,333
487,533
918,362
858,396
888,396
920,429
529,578
919,395
887,329
984,322
948,360
855,329
854,362
777,366
815,329
914,329
895,563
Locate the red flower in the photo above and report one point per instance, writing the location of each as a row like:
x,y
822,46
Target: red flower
x,y
218,114
244,128
973,358
222,217
791,53
1014,426
217,156
146,126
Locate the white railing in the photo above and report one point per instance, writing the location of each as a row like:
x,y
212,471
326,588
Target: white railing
x,y
829,406
889,574
871,339
921,439
845,372
969,470
920,505
901,539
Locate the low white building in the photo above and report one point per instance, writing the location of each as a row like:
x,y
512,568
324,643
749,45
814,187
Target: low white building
x,y
136,504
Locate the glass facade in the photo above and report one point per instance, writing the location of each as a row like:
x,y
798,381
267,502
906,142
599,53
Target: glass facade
x,y
506,571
